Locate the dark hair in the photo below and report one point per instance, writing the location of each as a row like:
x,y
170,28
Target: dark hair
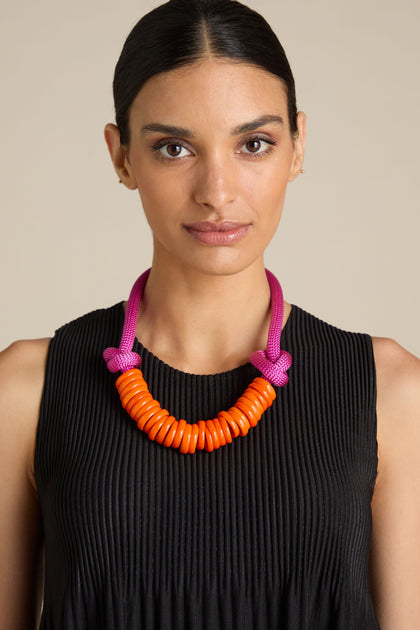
x,y
180,32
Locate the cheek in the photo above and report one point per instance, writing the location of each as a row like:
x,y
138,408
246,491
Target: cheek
x,y
266,188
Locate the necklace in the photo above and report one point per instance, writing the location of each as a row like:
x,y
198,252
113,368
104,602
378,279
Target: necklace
x,y
159,425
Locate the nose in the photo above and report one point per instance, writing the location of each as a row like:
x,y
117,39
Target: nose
x,y
215,184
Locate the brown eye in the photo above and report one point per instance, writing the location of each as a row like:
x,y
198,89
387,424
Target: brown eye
x,y
173,149
253,146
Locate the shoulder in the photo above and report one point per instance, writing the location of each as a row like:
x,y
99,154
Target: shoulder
x,y
22,369
395,553
398,408
398,383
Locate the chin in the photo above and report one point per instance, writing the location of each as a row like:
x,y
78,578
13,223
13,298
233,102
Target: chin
x,y
225,263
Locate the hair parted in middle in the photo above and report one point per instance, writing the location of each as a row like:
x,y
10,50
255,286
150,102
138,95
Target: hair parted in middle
x,y
181,32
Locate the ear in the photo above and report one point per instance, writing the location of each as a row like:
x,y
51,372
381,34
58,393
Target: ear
x,y
119,157
299,147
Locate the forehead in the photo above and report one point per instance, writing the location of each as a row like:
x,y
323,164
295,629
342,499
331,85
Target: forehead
x,y
210,92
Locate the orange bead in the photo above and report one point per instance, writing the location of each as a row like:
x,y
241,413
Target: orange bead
x,y
225,428
258,396
157,426
164,429
179,433
240,419
254,399
171,433
264,392
219,431
144,416
186,439
141,406
131,395
265,386
194,439
132,386
233,426
130,375
157,418
215,436
201,435
251,412
209,440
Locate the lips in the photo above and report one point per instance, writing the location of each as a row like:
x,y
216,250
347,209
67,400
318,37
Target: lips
x,y
220,233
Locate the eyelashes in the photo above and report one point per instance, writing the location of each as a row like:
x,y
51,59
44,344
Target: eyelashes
x,y
173,149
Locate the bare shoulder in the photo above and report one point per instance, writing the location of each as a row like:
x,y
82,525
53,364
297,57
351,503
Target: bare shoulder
x,y
22,369
395,553
398,381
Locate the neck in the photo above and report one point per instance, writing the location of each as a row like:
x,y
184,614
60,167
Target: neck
x,y
202,323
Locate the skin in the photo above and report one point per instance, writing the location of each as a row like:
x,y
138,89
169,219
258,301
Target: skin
x,y
189,315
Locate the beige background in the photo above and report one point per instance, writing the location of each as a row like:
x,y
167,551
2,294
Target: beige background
x,y
72,239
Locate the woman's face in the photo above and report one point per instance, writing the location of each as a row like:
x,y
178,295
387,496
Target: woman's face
x,y
211,154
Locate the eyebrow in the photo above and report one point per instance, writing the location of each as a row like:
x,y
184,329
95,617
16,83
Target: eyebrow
x,y
258,122
182,132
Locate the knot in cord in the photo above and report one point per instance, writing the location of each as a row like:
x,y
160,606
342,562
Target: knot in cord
x,y
273,371
121,360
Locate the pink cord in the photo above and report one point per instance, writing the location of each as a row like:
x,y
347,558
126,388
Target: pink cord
x,y
273,363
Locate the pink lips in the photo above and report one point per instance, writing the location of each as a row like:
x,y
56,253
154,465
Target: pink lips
x,y
211,233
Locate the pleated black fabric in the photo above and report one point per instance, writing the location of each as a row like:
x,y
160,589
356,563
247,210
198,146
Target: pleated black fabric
x,y
269,532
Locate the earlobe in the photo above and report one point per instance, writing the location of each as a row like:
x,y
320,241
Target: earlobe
x,y
299,147
118,155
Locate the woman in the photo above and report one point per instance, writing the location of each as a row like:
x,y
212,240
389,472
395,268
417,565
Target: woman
x,y
255,511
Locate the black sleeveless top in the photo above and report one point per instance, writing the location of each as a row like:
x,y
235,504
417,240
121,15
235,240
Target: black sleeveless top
x,y
270,532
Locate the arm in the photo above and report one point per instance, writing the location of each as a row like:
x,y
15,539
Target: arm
x,y
22,368
395,554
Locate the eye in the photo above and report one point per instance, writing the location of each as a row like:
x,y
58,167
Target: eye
x,y
257,146
171,150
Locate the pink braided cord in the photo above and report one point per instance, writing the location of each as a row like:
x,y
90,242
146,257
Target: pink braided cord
x,y
273,363
123,358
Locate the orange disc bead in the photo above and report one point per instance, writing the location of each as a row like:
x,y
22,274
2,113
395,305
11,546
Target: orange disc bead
x,y
209,440
225,428
140,399
143,407
263,401
179,433
254,399
169,438
214,434
186,439
127,385
132,395
144,416
164,429
250,411
233,426
126,377
219,430
265,387
194,439
158,425
159,418
240,419
201,435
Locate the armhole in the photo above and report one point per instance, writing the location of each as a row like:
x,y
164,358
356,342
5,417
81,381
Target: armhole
x,y
41,417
